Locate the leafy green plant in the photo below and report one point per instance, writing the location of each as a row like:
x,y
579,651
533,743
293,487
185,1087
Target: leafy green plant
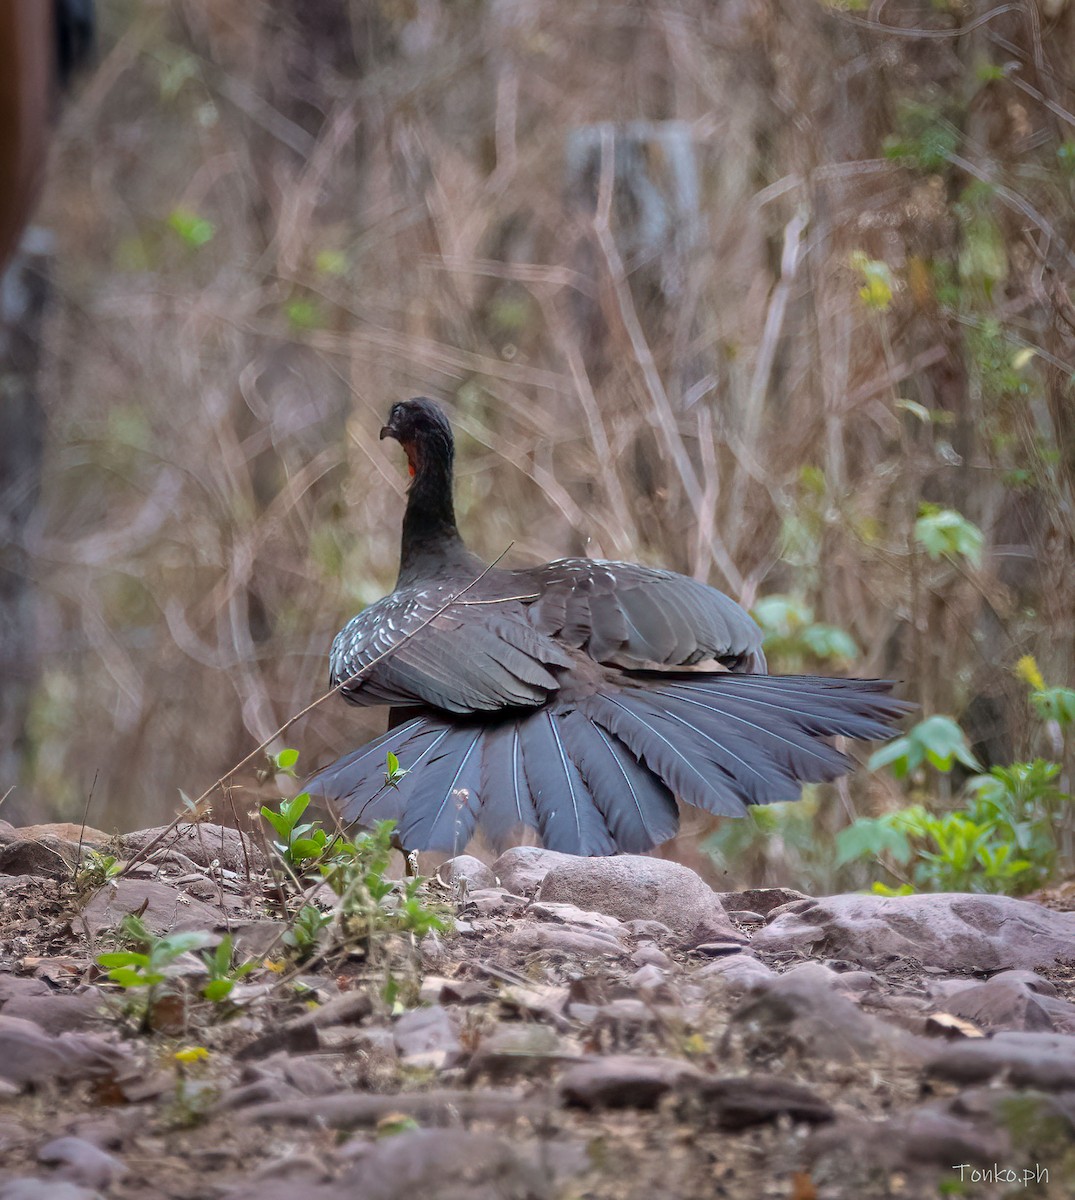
x,y
223,975
369,903
937,740
301,843
95,870
945,533
193,230
145,968
304,934
1002,839
793,637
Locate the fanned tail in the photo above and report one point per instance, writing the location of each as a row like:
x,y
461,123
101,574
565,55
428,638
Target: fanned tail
x,y
598,775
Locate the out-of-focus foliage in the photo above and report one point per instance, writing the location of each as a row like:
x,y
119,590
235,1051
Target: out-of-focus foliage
x,y
761,291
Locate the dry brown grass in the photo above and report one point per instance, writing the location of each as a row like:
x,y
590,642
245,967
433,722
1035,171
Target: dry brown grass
x,y
217,501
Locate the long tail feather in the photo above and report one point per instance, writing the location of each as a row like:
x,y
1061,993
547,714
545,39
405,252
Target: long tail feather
x,y
599,775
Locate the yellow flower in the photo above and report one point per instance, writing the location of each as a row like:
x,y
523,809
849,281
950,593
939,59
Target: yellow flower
x,y
192,1054
276,965
1027,670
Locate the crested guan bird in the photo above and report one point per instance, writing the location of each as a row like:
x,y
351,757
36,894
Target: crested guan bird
x,y
571,697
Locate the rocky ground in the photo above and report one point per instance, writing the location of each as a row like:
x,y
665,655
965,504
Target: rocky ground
x,y
591,1028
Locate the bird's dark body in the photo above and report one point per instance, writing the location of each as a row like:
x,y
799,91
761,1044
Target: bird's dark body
x,y
579,697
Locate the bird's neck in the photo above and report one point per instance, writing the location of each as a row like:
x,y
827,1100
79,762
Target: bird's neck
x,y
430,535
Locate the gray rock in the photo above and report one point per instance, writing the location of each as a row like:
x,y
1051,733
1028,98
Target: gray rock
x,y
647,953
737,973
633,887
759,900
455,1165
427,1037
571,914
29,1056
624,1081
954,931
82,1162
355,1110
47,856
518,1049
740,1102
563,939
202,844
465,868
521,869
1000,1003
493,902
919,1143
303,1034
45,1189
308,1076
60,1013
806,1017
1038,1060
164,907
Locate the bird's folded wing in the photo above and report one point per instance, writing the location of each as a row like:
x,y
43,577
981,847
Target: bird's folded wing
x,y
477,655
636,617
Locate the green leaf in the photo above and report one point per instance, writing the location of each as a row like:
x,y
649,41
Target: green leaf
x,y
218,989
867,838
945,533
194,230
278,821
1055,704
129,978
122,958
305,848
286,759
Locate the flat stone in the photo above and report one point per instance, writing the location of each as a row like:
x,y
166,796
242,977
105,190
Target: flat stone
x,y
624,1081
760,901
29,1056
921,1143
203,844
634,887
518,1049
47,856
354,1110
957,932
303,1034
521,869
82,1162
308,1076
735,1103
646,953
45,1189
58,1013
562,939
1038,1060
738,972
164,907
427,1034
67,831
808,1018
571,914
456,1165
256,939
493,902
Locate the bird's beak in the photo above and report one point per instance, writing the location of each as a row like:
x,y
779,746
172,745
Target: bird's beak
x,y
389,431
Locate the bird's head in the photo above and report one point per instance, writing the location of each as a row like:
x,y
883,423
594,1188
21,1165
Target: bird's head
x,y
422,429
